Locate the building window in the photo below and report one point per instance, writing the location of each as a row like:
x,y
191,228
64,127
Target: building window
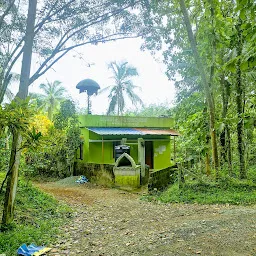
x,y
81,151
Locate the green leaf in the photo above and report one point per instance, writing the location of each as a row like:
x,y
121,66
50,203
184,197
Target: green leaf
x,y
231,65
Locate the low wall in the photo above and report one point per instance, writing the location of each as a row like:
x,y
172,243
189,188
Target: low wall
x,y
88,169
160,179
127,176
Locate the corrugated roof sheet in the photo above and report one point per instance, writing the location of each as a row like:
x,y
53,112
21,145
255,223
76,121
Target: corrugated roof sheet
x,y
115,131
153,131
132,131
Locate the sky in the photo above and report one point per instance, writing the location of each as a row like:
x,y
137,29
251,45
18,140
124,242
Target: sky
x,y
155,86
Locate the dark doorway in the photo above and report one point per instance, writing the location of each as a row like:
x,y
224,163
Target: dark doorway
x,y
149,154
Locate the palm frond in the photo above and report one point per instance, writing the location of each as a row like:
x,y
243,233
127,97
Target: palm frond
x,y
53,94
33,95
113,65
129,85
131,71
113,92
121,102
112,105
56,83
59,91
44,87
15,77
105,89
9,95
135,99
122,72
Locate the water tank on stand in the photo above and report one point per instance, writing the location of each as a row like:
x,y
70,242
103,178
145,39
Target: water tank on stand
x,y
120,149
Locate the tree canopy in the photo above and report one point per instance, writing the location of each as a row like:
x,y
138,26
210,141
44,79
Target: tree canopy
x,y
53,94
208,52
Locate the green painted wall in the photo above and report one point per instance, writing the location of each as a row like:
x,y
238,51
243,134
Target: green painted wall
x,y
134,152
162,154
85,137
96,154
93,151
125,121
108,153
99,155
133,181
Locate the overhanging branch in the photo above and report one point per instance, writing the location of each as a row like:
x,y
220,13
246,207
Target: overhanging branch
x,y
85,25
37,74
6,12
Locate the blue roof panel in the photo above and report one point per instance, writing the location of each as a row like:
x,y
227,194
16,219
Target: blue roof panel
x,y
115,131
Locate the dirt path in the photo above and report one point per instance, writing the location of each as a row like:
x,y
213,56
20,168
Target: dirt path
x,y
113,222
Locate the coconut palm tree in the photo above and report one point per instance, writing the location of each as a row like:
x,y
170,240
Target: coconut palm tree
x,y
53,94
122,88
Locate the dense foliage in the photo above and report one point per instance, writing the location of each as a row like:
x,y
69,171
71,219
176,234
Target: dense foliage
x,y
152,110
56,155
50,30
37,219
214,79
227,191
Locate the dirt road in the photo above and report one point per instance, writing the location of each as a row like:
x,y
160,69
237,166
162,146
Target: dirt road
x,y
114,222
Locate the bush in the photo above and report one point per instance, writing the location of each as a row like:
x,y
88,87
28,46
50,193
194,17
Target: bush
x,y
222,192
4,155
37,218
102,177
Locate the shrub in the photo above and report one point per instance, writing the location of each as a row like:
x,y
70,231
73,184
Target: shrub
x,y
37,218
102,177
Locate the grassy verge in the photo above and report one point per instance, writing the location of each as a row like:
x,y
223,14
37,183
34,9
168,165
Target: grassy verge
x,y
37,218
237,193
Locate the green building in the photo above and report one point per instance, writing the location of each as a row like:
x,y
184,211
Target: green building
x,y
150,139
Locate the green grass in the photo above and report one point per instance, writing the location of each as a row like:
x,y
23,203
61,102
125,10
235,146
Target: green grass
x,y
237,193
102,178
37,218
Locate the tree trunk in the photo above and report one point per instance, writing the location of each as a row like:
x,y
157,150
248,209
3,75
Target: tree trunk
x,y
223,152
12,180
239,104
7,138
225,91
118,108
50,112
212,109
225,138
207,164
10,193
118,104
207,89
229,152
1,85
27,53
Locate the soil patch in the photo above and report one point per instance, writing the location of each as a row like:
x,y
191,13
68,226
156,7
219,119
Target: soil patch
x,y
115,222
